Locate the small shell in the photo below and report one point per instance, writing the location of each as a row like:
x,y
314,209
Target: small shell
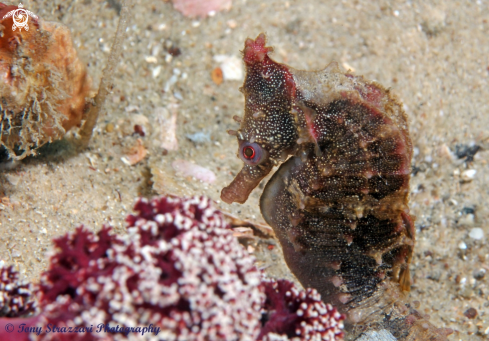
x,y
231,67
136,154
201,8
167,119
186,168
217,76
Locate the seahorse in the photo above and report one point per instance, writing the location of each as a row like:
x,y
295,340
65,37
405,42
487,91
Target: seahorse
x,y
338,202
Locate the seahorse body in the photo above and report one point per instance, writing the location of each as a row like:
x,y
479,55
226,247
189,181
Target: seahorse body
x,y
339,204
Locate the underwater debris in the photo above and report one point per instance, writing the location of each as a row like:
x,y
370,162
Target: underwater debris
x,y
200,137
107,76
166,117
217,76
466,151
45,87
43,84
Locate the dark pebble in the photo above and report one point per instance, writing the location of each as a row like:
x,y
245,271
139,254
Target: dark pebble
x,y
479,274
467,152
471,313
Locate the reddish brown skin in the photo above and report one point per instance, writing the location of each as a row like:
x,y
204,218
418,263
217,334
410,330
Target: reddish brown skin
x,y
339,205
268,88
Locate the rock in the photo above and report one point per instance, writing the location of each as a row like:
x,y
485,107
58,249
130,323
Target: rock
x,y
479,274
468,175
467,220
476,233
470,313
382,335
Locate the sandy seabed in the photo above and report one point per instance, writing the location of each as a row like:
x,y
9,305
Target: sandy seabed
x,y
434,55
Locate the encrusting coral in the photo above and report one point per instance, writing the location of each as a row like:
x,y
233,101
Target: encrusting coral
x,y
179,272
16,302
16,297
43,84
178,268
293,314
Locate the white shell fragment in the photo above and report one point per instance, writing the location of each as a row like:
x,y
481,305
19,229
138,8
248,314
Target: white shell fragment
x,y
201,8
476,233
167,119
468,174
136,154
231,66
382,335
199,137
186,168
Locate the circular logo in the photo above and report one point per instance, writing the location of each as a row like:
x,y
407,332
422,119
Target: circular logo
x,y
20,17
9,327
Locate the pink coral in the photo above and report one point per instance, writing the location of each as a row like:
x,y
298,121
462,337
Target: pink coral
x,y
66,289
293,314
179,269
16,300
81,256
16,297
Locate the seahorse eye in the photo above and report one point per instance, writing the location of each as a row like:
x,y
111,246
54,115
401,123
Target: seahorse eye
x,y
248,152
251,153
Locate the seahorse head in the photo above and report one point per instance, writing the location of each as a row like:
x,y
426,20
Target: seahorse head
x,y
268,134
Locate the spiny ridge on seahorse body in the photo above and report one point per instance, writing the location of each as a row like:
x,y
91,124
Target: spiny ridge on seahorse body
x,y
339,201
